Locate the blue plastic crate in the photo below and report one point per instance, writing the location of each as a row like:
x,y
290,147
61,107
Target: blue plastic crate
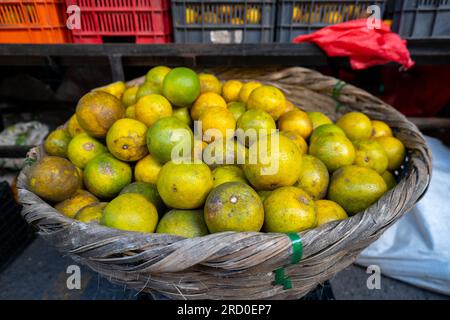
x,y
232,21
422,19
297,17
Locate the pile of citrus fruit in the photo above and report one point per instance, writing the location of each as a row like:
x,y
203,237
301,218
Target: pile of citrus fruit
x,y
116,161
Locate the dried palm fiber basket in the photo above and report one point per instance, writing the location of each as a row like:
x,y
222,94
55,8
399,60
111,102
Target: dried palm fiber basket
x,y
245,265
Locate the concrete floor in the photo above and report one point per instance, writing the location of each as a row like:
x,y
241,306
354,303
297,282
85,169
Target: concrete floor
x,y
39,272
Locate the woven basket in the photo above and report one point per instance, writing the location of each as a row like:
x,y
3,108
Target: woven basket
x,y
232,265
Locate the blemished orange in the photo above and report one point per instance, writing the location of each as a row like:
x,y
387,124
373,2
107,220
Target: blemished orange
x,y
380,129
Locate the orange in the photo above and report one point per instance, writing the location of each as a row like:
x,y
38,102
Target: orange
x,y
288,106
268,99
146,89
147,169
395,151
183,223
73,127
151,108
105,176
84,148
380,129
296,121
53,178
356,125
297,139
91,212
155,76
130,112
273,161
228,173
219,121
129,96
183,115
314,177
56,143
318,118
328,211
289,209
184,185
325,129
75,203
148,190
205,101
237,109
234,206
371,154
181,87
97,111
209,83
116,89
389,179
254,123
224,151
356,188
247,89
126,139
131,212
168,134
231,89
334,150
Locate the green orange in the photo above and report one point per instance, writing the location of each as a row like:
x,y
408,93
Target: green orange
x,y
181,86
131,212
156,76
183,223
167,134
105,176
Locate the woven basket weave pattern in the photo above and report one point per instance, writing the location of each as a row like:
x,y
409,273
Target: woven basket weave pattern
x,y
233,265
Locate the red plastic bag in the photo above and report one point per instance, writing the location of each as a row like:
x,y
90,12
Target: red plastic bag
x,y
365,47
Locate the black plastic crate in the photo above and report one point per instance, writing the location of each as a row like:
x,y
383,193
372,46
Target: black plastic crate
x,y
15,232
232,21
297,17
422,19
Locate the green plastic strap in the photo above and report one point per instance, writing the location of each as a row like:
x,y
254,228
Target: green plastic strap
x,y
337,89
281,279
337,92
297,253
297,247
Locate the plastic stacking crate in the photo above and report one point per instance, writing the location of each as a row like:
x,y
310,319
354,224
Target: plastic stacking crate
x,y
33,21
135,21
15,232
297,17
422,19
232,21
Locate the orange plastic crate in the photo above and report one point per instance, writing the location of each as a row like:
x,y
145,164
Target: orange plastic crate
x,y
33,21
